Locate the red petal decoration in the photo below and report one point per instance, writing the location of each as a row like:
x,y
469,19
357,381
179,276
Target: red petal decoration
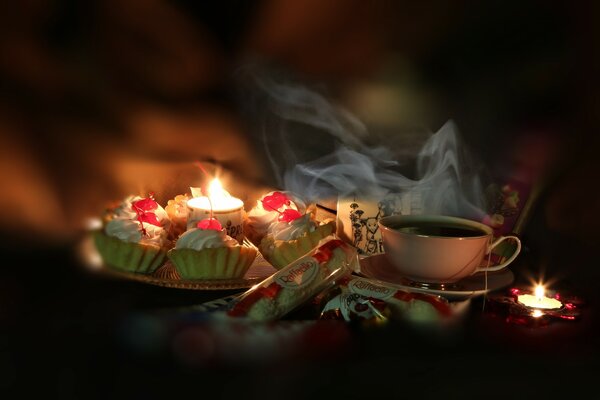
x,y
147,204
149,218
275,201
289,215
209,223
144,209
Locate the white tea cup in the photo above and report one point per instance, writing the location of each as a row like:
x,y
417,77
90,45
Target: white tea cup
x,y
440,249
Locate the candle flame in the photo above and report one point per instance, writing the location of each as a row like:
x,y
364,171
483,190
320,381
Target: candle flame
x,y
540,292
216,191
215,187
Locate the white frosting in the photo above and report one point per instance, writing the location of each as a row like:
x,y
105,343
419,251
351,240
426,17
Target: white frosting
x,y
198,239
125,210
260,219
125,226
294,229
130,230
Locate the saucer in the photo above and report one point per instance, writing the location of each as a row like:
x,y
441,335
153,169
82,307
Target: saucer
x,y
378,267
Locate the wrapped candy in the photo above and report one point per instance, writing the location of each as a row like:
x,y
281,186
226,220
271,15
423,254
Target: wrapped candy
x,y
298,282
369,300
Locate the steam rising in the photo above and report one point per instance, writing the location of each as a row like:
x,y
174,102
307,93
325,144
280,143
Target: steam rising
x,y
320,150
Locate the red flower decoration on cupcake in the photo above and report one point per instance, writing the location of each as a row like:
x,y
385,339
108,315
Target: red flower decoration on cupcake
x,y
149,217
275,201
289,215
278,200
144,209
209,223
145,205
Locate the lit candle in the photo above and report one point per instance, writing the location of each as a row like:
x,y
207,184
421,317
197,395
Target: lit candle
x,y
222,206
538,301
533,307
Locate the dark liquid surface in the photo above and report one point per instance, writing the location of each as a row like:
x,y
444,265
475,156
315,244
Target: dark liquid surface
x,y
436,229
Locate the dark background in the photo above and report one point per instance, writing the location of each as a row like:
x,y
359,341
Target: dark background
x,y
101,98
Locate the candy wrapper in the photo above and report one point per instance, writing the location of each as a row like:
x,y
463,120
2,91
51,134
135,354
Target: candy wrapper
x,y
369,300
298,282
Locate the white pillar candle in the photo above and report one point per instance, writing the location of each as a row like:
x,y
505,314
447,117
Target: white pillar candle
x,y
228,210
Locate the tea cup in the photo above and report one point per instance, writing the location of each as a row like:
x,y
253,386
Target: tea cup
x,y
440,249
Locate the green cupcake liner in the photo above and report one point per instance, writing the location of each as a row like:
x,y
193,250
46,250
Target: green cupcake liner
x,y
217,263
283,252
126,256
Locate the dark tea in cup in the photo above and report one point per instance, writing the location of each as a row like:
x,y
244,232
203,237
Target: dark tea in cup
x,y
440,230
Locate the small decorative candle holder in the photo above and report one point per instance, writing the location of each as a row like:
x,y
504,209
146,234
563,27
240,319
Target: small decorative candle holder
x,y
219,204
534,307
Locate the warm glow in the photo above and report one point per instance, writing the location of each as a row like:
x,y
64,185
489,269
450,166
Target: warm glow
x,y
92,223
539,300
216,191
537,313
540,292
218,199
216,202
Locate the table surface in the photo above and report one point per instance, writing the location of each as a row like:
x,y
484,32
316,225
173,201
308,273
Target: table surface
x,y
83,335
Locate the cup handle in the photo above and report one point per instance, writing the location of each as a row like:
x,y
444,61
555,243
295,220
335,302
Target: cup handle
x,y
505,263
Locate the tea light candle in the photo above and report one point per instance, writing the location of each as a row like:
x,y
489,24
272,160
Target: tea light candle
x,y
533,308
228,210
539,301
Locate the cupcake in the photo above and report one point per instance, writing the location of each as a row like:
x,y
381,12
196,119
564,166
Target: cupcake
x,y
133,237
207,252
292,235
267,211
